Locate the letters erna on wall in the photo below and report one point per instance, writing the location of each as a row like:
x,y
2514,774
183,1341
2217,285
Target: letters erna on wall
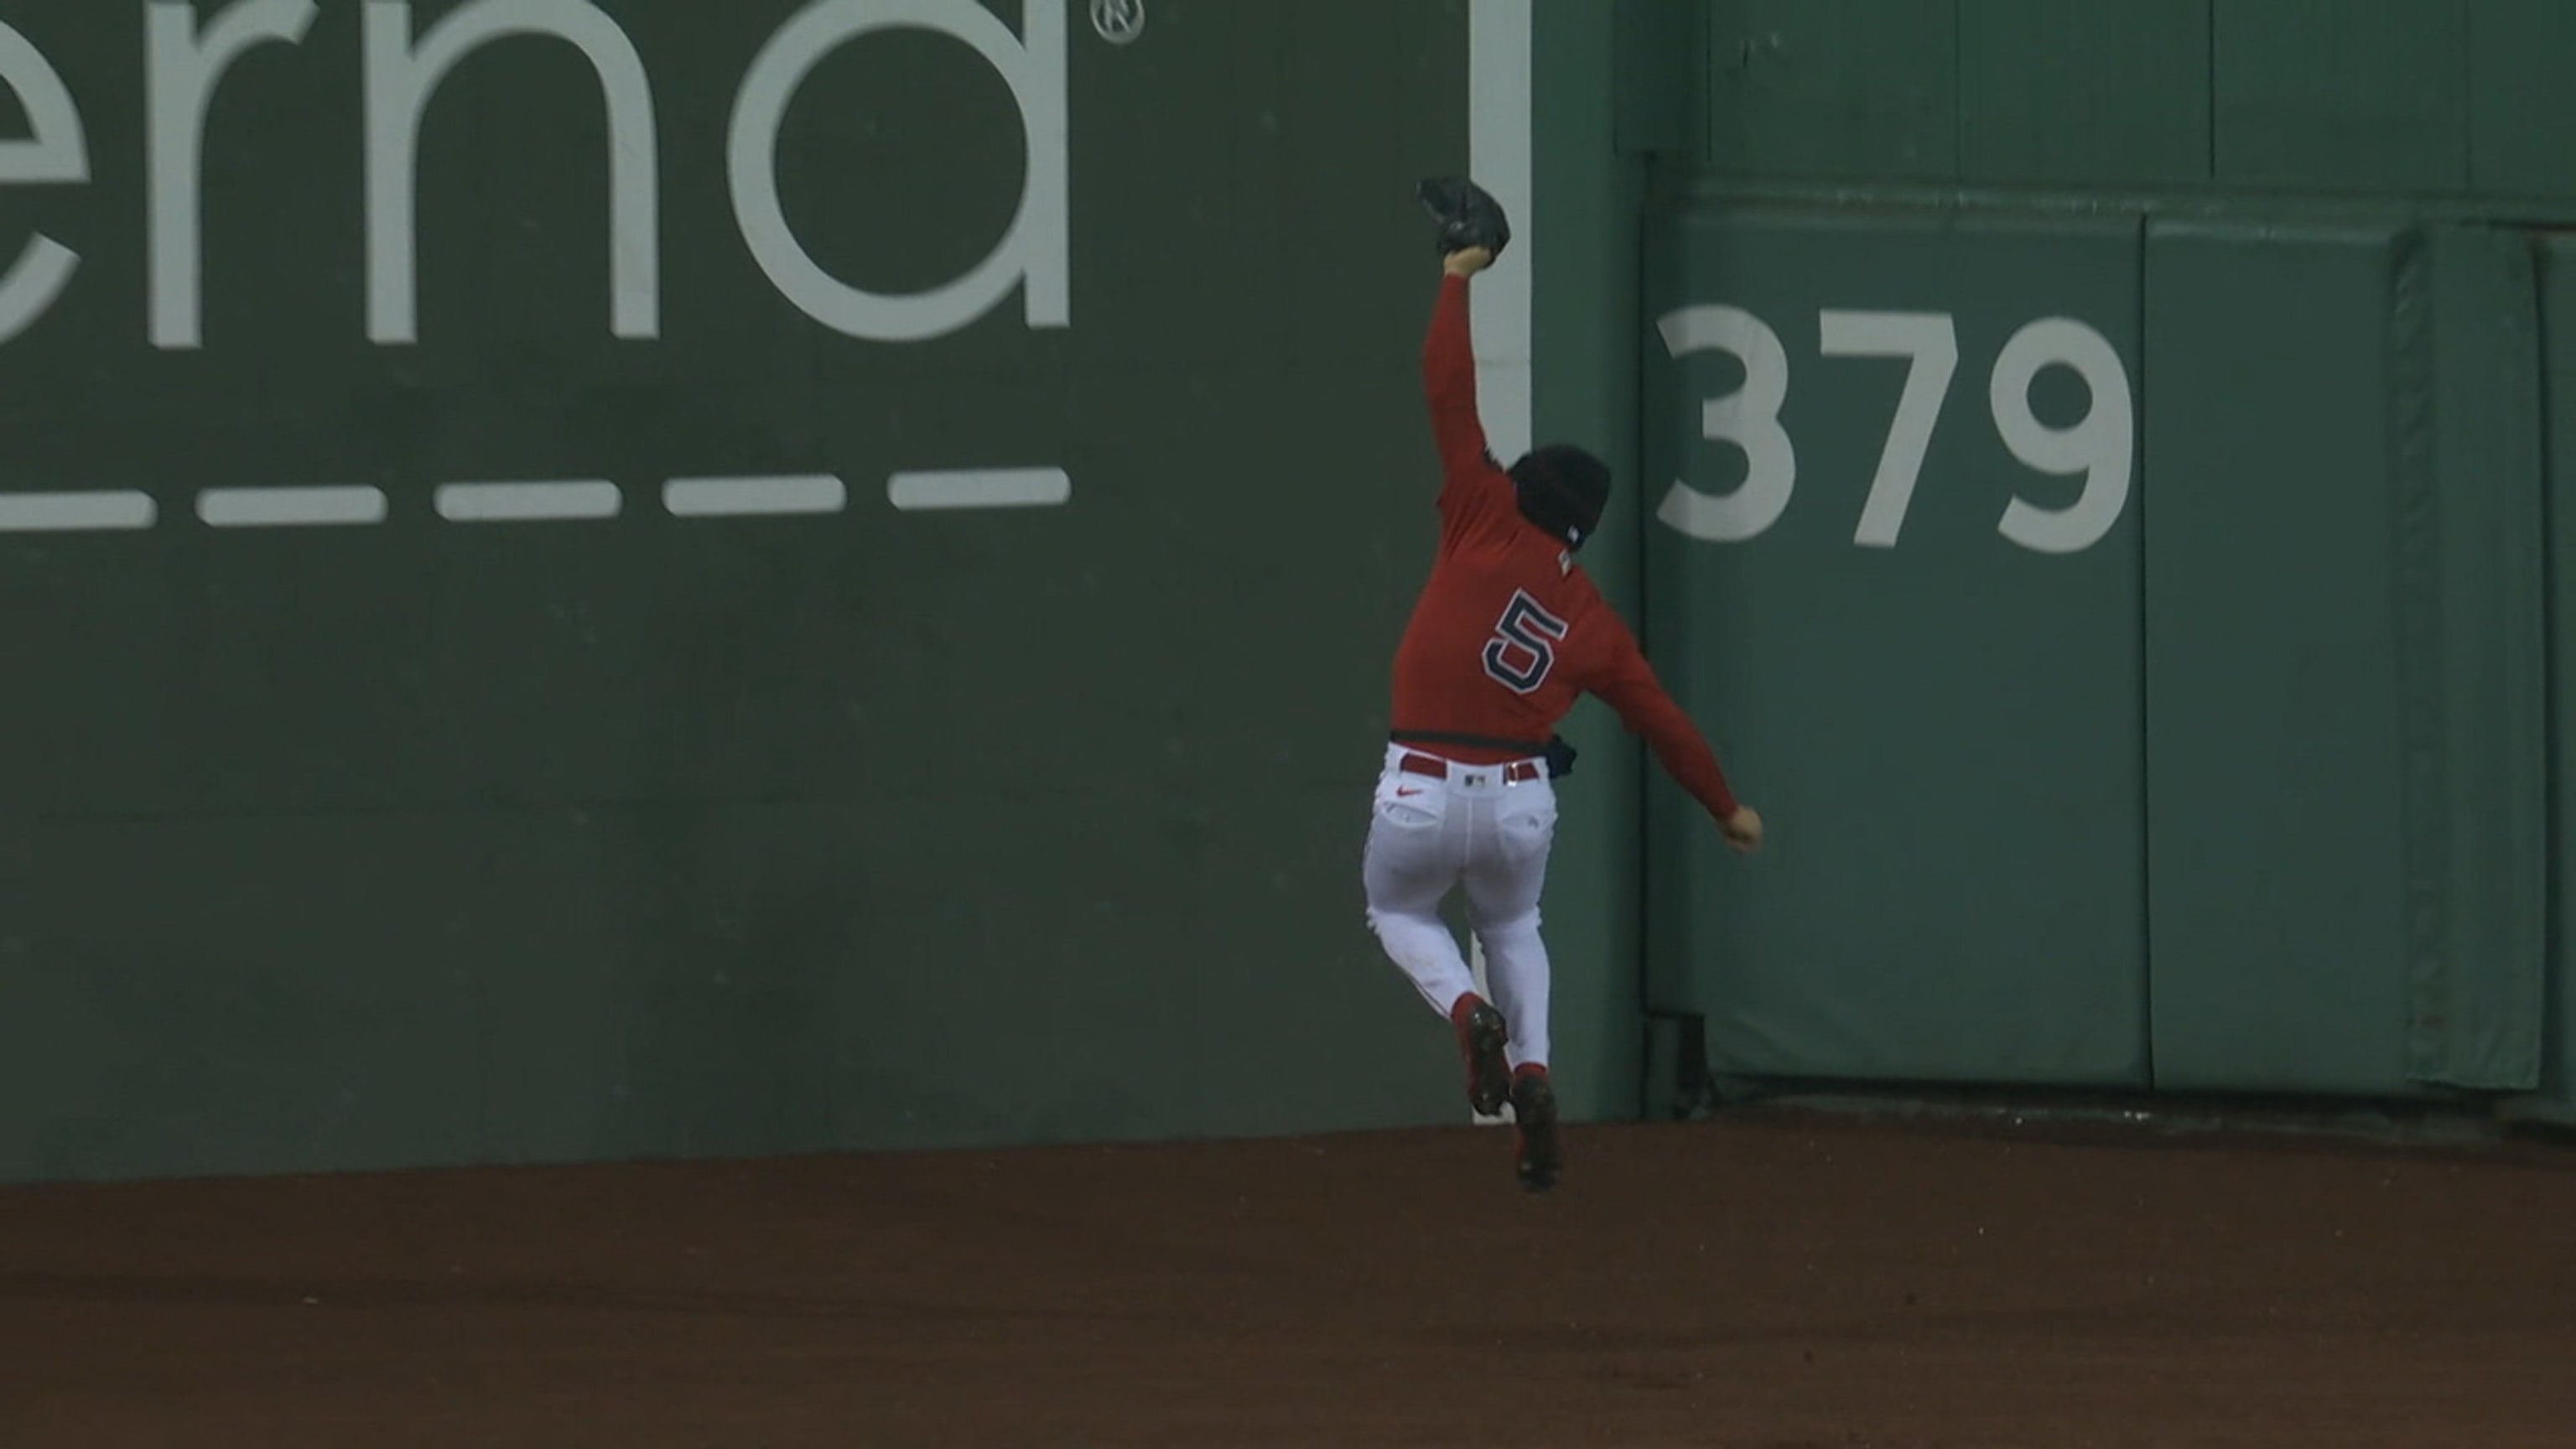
x,y
189,52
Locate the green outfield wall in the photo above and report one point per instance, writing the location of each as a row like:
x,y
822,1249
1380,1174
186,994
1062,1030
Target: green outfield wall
x,y
623,578
2103,461
921,682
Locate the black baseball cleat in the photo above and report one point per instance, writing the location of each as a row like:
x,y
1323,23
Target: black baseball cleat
x,y
1534,1129
1481,1033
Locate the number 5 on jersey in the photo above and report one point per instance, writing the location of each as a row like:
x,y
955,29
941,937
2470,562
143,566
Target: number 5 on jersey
x,y
1523,650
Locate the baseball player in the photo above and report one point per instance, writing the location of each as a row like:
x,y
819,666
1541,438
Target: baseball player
x,y
1505,637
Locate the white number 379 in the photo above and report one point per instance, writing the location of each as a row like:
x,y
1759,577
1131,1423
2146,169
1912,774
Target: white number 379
x,y
2098,447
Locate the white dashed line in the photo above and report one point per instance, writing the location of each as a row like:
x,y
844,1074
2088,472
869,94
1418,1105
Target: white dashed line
x,y
527,502
747,497
116,509
290,507
787,494
986,488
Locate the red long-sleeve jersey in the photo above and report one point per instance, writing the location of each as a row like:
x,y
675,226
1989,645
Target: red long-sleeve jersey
x,y
1508,632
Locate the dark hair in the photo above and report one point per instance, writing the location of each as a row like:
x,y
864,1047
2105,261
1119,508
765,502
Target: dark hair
x,y
1562,490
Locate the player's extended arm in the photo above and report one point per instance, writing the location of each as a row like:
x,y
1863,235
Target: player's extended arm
x,y
1449,375
1632,689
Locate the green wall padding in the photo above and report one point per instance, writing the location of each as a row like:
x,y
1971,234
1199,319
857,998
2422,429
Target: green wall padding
x,y
2556,1098
2275,784
1943,733
2472,535
2341,689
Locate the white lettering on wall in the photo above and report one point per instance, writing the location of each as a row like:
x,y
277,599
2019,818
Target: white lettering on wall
x,y
1929,343
192,46
55,152
401,77
2100,447
1749,418
186,65
1035,251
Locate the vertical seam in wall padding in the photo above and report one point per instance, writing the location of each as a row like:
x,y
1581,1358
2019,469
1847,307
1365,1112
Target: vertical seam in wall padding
x,y
2468,97
2424,822
1641,764
2509,1046
2545,579
2501,851
1499,142
2146,782
1637,167
2209,40
2552,905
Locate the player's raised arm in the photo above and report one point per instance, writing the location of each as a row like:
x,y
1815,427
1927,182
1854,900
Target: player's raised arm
x,y
1473,231
1449,368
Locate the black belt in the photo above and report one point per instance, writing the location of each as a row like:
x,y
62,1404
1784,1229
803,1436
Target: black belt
x,y
1558,754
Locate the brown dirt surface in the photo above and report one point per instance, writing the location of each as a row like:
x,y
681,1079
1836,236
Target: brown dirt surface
x,y
1786,1281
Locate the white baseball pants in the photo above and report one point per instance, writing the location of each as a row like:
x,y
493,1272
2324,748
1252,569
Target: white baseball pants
x,y
1492,835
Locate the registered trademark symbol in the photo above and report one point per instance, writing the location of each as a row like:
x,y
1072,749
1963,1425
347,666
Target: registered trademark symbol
x,y
1118,21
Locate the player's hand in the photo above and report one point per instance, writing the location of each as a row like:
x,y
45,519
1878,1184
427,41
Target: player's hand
x,y
1467,261
1743,830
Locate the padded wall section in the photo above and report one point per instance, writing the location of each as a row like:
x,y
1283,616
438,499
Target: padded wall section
x,y
2342,682
1894,572
2556,1099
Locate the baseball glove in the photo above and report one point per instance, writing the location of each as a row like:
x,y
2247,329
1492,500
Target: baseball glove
x,y
1468,215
